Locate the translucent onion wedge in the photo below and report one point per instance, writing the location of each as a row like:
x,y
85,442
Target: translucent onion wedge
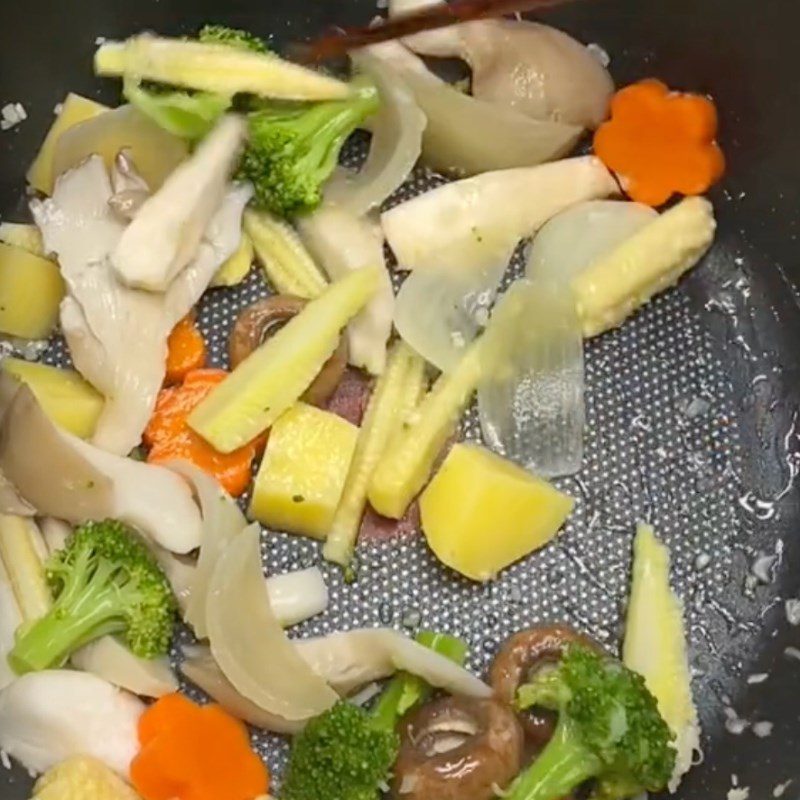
x,y
476,222
200,668
396,393
531,405
222,520
352,659
468,136
655,645
439,311
155,152
571,240
287,263
109,659
214,68
395,147
342,243
616,284
248,642
275,375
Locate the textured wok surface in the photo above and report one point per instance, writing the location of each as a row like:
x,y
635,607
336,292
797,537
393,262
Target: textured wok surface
x,y
691,406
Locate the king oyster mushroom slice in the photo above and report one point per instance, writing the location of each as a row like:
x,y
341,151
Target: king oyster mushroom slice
x,y
166,232
117,336
62,476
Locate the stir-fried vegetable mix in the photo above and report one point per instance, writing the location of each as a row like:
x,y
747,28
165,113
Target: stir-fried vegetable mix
x,y
339,410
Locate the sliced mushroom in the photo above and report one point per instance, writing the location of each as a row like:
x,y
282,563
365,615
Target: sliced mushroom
x,y
262,319
456,748
521,656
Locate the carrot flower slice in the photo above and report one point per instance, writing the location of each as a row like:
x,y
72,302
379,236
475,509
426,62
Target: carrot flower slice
x,y
169,437
661,142
191,752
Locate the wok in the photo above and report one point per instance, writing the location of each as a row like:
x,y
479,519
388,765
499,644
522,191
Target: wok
x,y
692,406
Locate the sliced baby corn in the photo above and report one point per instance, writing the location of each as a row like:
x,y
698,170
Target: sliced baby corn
x,y
407,463
286,262
655,645
22,550
395,396
654,258
275,375
214,68
235,269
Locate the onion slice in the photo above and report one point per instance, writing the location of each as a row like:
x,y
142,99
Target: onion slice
x,y
570,241
247,640
201,669
531,406
222,520
352,659
395,148
439,312
342,242
467,136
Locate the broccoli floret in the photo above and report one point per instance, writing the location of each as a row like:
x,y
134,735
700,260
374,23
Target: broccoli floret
x,y
342,755
294,148
609,729
105,581
233,37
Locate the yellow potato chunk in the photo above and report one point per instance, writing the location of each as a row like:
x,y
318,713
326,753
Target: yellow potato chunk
x,y
62,393
155,152
75,109
482,513
31,289
302,476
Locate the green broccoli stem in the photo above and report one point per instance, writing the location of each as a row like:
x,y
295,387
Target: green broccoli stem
x,y
327,125
405,690
50,640
564,764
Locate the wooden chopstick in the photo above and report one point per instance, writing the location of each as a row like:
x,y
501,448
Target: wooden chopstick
x,y
340,41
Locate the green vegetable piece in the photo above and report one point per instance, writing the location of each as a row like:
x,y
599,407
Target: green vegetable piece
x,y
233,37
105,581
275,375
294,148
188,115
609,728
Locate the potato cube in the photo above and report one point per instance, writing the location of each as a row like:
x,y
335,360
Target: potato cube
x,y
63,394
302,476
482,513
31,289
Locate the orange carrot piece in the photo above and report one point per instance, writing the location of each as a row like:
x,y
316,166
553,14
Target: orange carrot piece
x,y
169,437
186,350
191,752
660,142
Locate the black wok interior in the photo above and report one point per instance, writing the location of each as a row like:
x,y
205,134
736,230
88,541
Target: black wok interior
x,y
745,54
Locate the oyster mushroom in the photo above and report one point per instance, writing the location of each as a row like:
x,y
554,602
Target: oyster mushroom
x,y
456,748
526,653
260,320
